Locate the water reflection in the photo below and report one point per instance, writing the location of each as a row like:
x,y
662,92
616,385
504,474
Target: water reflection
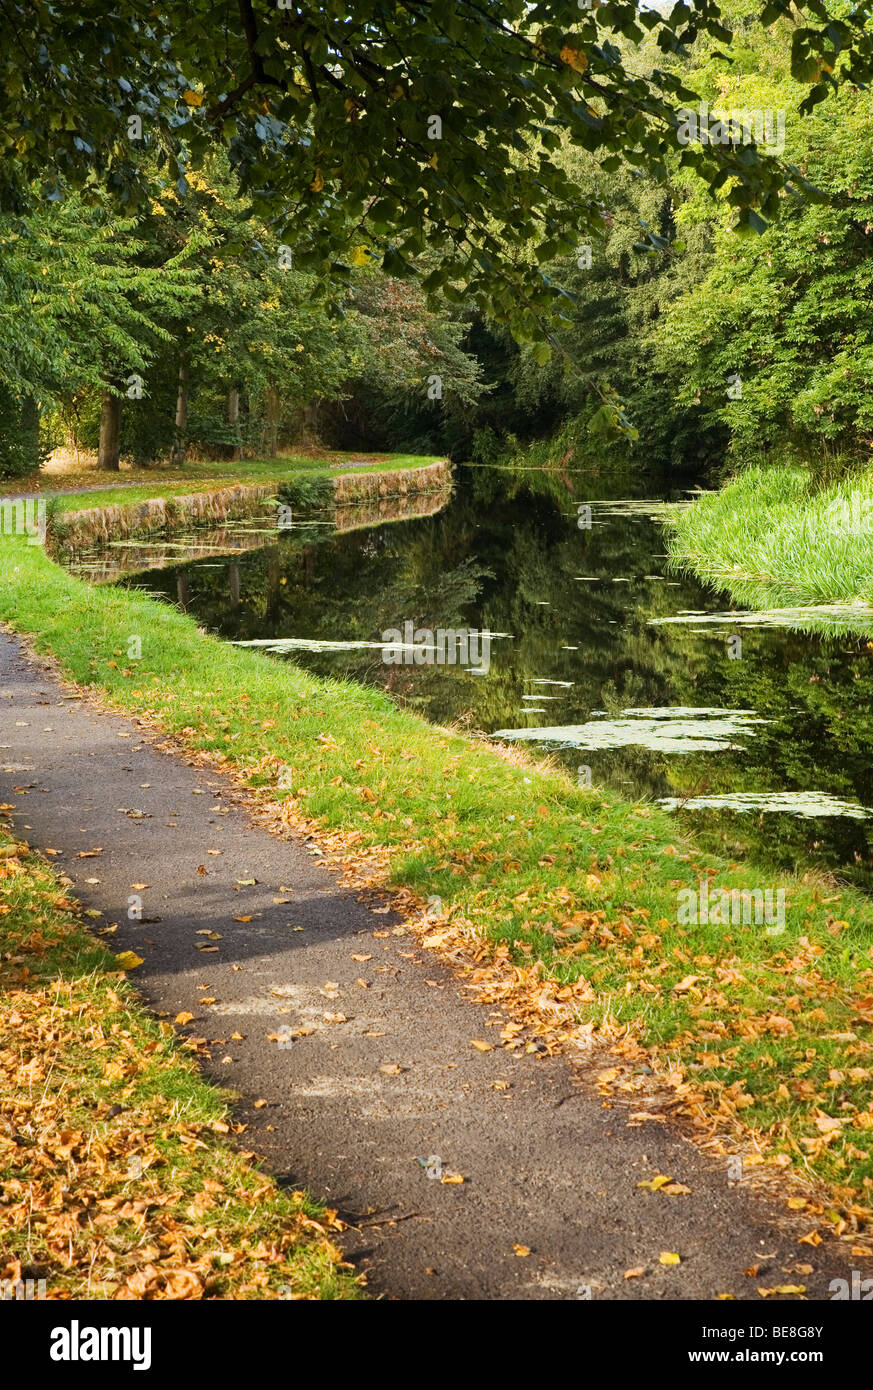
x,y
719,704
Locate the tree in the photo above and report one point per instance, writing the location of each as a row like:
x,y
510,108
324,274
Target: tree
x,y
80,307
435,122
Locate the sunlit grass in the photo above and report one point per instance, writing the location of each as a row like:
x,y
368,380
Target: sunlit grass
x,y
772,539
202,477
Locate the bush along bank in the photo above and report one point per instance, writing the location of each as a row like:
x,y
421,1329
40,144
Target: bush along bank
x,y
584,915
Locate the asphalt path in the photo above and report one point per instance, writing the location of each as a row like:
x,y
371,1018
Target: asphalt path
x,y
360,1043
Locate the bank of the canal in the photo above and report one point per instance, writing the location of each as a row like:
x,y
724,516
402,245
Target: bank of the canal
x,y
565,898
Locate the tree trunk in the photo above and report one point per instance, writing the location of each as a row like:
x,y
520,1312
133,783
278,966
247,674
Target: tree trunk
x,y
181,417
309,431
274,412
233,419
110,432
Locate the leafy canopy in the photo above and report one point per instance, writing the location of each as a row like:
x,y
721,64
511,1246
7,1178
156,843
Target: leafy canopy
x,y
327,115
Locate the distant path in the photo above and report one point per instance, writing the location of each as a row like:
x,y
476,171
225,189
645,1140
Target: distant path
x,y
74,491
383,1072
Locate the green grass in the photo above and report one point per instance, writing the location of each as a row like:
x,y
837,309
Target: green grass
x,y
772,539
203,477
115,1177
575,886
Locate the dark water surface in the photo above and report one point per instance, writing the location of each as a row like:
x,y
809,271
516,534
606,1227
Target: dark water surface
x,y
652,707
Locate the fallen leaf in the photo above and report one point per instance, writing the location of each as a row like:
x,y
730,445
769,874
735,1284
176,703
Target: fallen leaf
x,y
129,960
481,1046
522,1251
183,1018
782,1288
636,1273
658,1181
667,1257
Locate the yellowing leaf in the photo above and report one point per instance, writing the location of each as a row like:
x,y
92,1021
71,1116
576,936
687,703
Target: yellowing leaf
x,y
191,98
656,1182
574,58
318,182
129,960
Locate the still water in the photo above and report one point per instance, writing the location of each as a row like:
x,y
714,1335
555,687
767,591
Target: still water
x,y
755,732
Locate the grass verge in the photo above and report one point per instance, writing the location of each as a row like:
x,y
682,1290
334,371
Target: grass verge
x,y
570,898
141,484
115,1180
773,539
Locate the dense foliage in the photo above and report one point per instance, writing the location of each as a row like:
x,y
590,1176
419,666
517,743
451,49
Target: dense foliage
x,y
453,227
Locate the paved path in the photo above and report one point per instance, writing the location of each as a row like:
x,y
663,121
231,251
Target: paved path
x,y
381,1075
